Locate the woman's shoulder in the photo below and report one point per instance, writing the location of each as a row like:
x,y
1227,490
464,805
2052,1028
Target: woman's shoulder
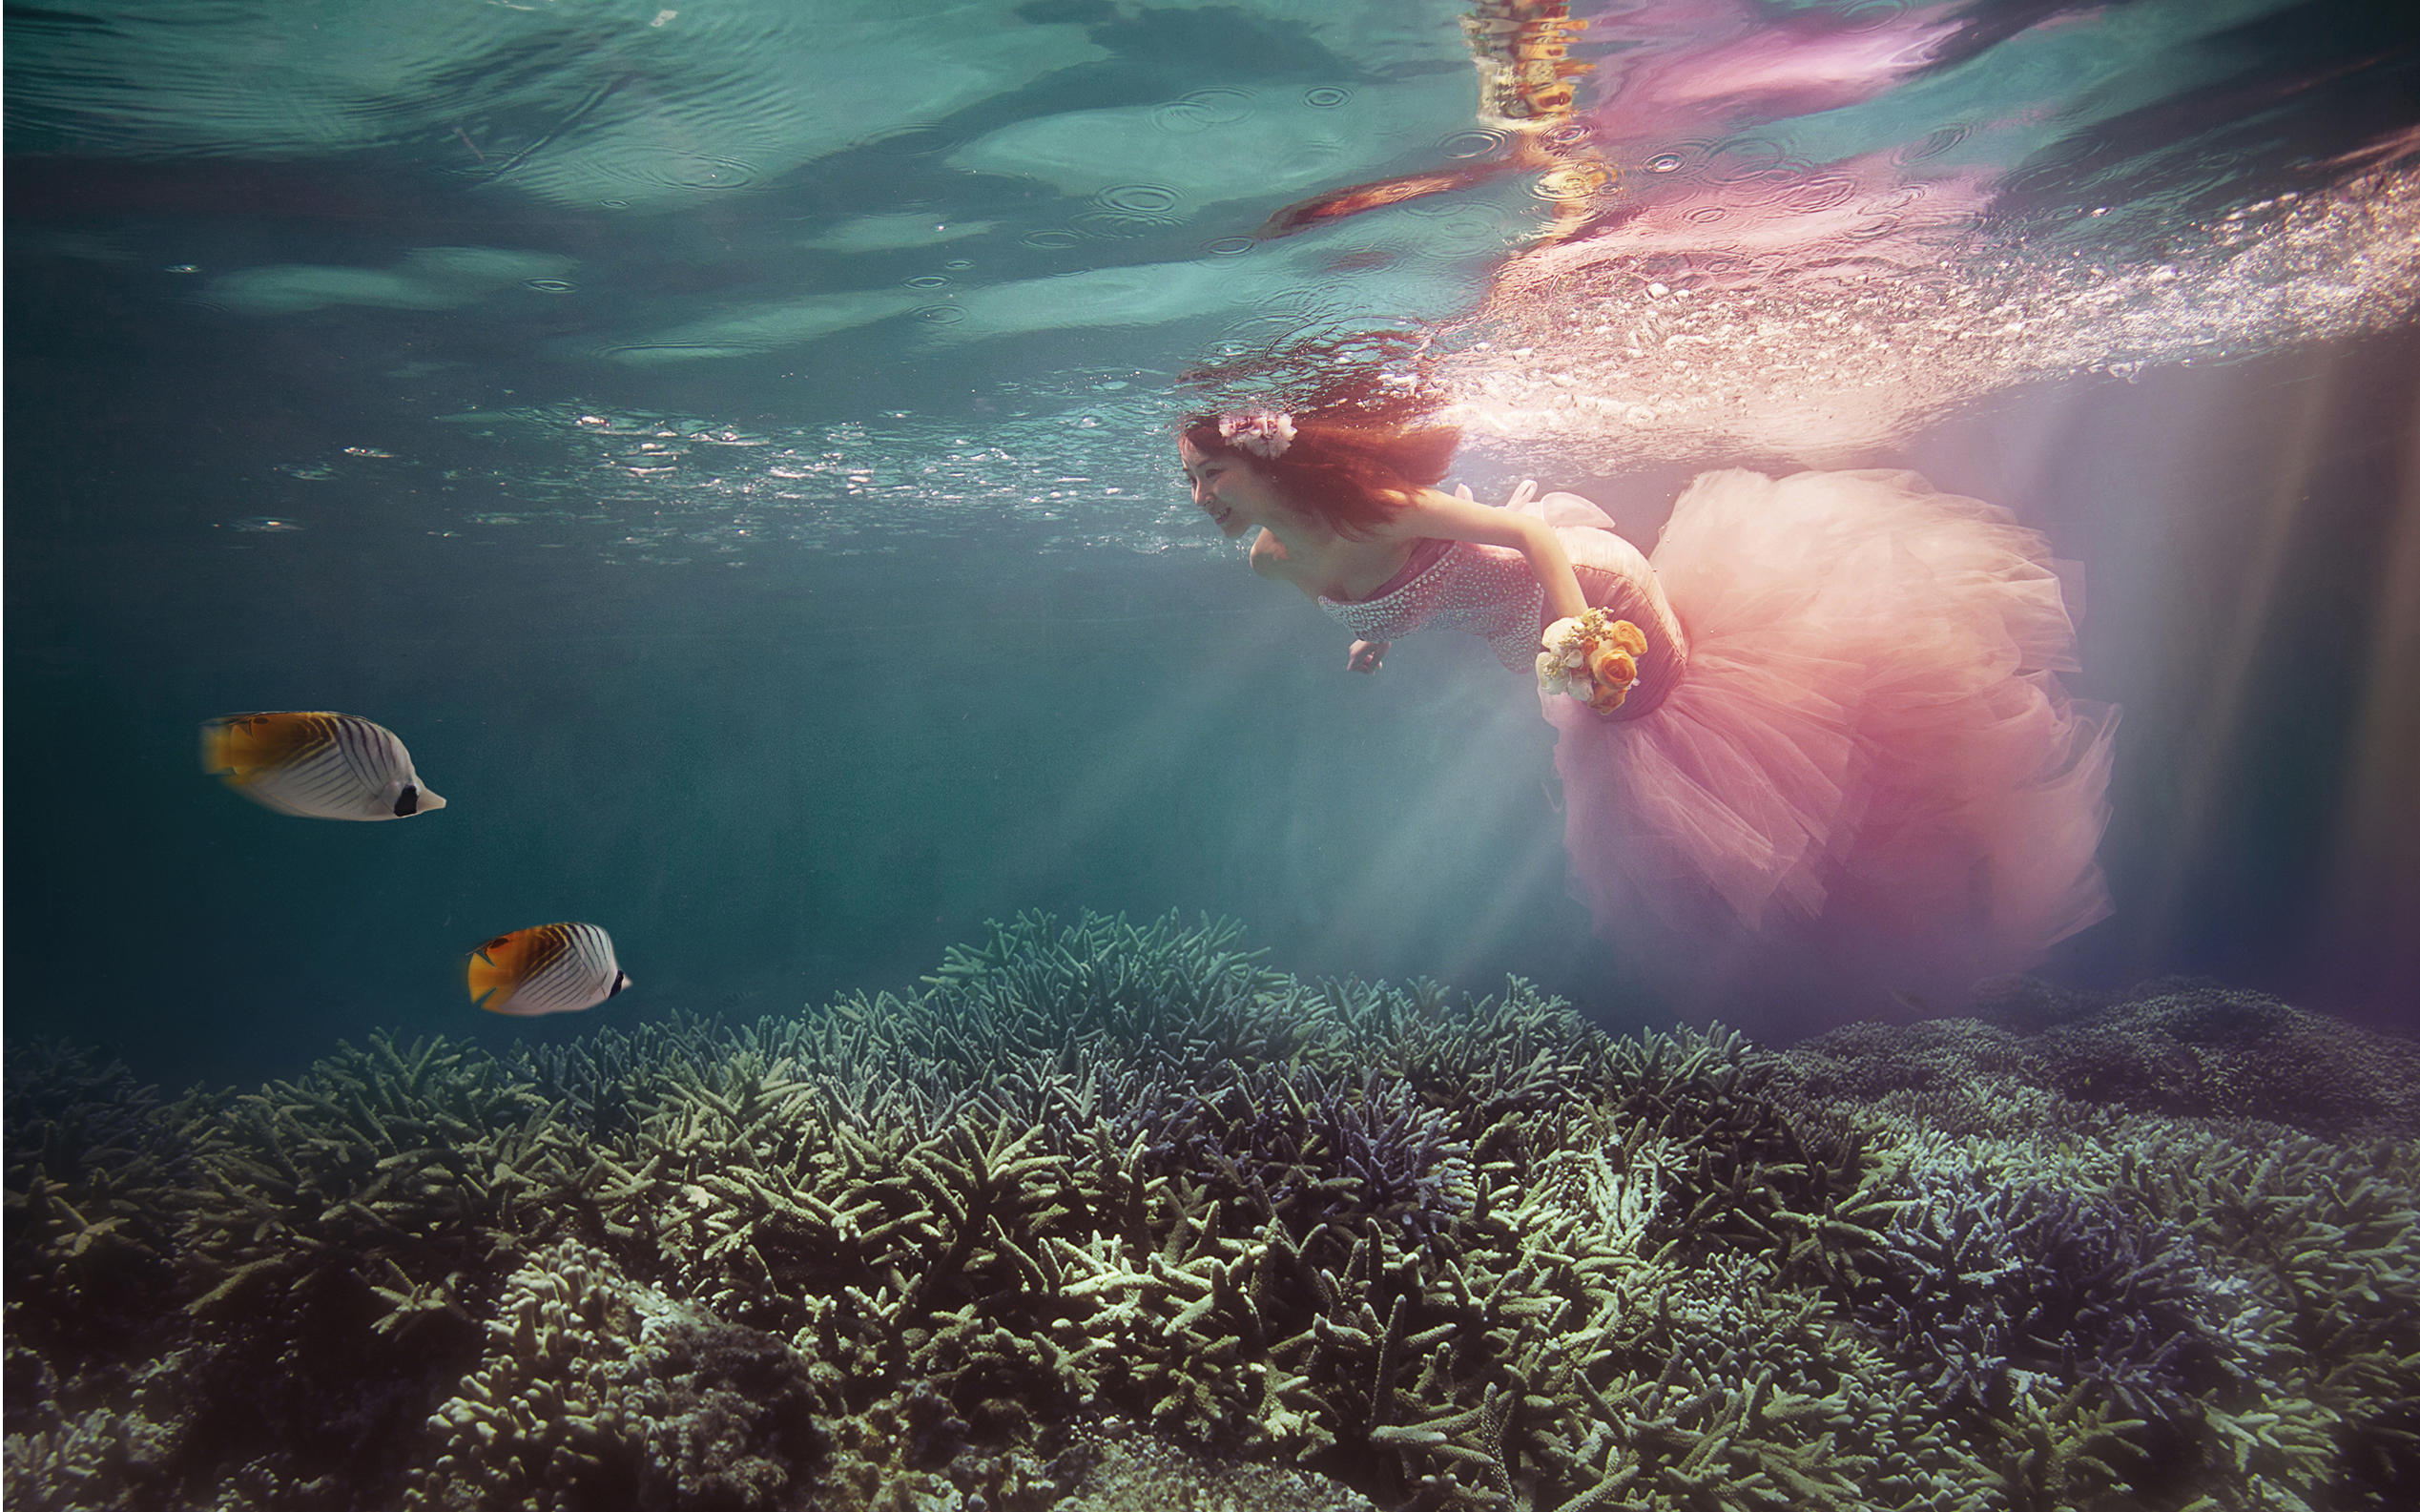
x,y
1270,559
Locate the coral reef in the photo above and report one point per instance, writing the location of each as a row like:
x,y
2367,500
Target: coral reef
x,y
1110,1215
2182,1046
1987,1290
606,1391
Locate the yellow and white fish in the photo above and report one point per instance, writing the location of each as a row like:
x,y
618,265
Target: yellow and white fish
x,y
546,968
319,765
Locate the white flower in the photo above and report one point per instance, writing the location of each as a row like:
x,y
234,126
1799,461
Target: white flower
x,y
1265,433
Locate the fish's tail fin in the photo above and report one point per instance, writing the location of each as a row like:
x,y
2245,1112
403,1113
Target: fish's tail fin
x,y
221,747
495,970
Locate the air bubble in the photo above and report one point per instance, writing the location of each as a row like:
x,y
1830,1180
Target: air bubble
x,y
1202,110
1934,144
1471,144
1140,200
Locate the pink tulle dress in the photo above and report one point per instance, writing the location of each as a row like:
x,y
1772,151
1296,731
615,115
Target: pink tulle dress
x,y
1847,777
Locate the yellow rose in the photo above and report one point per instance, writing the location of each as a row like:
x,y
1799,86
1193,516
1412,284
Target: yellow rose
x,y
1628,636
1612,668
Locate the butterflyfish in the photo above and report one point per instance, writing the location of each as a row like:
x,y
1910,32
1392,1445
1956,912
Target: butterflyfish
x,y
319,765
546,969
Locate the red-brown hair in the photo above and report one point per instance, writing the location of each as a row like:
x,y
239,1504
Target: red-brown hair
x,y
1363,411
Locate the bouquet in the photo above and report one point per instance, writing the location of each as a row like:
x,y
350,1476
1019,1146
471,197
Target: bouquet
x,y
1591,657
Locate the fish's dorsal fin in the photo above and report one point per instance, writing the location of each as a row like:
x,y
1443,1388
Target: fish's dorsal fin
x,y
242,746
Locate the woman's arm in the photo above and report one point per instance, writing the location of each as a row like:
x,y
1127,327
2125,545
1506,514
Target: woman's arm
x,y
1445,517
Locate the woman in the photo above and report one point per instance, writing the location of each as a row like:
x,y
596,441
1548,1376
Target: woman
x,y
1838,763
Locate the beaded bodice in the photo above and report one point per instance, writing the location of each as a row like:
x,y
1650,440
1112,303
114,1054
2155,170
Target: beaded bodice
x,y
1487,591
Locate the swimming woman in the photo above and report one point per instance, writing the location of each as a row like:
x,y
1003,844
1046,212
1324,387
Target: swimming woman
x,y
1831,758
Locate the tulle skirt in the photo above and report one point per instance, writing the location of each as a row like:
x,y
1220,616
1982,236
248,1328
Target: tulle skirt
x,y
1866,789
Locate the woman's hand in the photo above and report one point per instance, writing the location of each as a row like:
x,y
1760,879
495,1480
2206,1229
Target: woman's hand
x,y
1364,655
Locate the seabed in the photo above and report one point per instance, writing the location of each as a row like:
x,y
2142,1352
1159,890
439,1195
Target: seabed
x,y
1107,1216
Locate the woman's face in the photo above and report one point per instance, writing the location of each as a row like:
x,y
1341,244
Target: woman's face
x,y
1226,487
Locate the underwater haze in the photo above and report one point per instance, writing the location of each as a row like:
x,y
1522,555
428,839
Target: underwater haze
x,y
732,446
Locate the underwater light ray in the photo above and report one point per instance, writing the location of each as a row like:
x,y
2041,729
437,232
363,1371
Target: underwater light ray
x,y
2373,880
2231,683
1536,872
1465,809
1129,767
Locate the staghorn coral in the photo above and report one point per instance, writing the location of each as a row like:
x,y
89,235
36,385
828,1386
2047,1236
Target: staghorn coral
x,y
1320,1155
98,1169
2326,1236
94,1167
1184,1001
598,1391
1990,1292
398,1172
1103,1203
1512,1051
598,1084
2182,1047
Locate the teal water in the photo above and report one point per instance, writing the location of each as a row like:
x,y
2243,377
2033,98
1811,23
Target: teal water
x,y
730,447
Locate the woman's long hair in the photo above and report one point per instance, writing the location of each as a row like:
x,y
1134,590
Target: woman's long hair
x,y
1363,408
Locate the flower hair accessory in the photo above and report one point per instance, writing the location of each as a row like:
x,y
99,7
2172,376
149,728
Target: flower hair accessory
x,y
1592,656
1265,433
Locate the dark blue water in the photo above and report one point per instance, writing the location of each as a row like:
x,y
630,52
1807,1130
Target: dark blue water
x,y
731,452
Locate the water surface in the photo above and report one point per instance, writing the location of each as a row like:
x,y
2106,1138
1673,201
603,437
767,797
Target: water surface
x,y
730,446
